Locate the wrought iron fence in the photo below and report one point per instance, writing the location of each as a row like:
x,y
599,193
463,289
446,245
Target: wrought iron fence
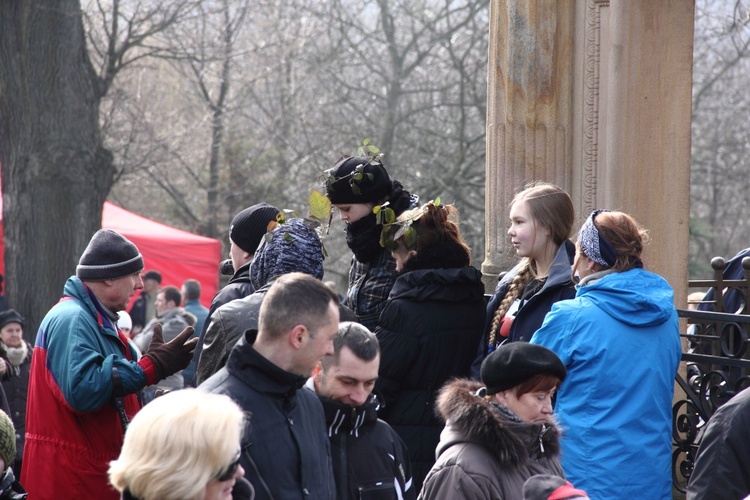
x,y
716,362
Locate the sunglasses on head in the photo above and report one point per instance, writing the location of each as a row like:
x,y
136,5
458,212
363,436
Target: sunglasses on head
x,y
227,473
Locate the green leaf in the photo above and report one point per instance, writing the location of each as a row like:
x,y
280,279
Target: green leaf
x,y
371,176
288,237
436,202
320,205
366,142
410,238
390,216
355,189
373,149
376,209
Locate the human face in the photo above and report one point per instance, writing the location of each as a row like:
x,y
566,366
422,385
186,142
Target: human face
x,y
11,334
350,381
120,291
528,238
352,212
222,490
533,407
151,286
239,256
319,343
401,255
582,265
161,303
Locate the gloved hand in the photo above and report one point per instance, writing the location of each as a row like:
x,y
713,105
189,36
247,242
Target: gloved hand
x,y
173,356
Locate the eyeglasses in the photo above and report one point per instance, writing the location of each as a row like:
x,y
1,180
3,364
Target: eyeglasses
x,y
227,473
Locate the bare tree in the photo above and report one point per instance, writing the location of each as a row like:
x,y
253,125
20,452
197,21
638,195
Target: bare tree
x,y
720,150
56,174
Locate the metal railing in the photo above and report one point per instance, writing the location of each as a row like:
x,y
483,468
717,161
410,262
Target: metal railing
x,y
716,363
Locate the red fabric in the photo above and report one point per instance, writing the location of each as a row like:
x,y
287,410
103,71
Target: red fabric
x,y
50,456
567,491
176,254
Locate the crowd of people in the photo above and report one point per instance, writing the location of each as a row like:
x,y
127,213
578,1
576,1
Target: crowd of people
x,y
411,384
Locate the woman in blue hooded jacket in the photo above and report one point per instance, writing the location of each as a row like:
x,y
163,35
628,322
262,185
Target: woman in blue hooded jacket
x,y
620,343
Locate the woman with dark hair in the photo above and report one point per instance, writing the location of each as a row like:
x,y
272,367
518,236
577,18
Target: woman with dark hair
x,y
619,340
355,185
541,220
430,327
498,432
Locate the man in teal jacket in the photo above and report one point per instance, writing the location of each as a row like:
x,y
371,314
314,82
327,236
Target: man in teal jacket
x,y
85,378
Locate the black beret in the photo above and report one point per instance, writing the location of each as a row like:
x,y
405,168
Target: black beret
x,y
375,186
513,364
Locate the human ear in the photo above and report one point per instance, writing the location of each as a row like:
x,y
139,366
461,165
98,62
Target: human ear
x,y
297,336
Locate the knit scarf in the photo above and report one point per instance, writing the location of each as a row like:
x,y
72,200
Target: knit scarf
x,y
16,355
363,238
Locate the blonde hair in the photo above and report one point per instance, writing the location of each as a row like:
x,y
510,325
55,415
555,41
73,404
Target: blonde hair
x,y
177,444
551,208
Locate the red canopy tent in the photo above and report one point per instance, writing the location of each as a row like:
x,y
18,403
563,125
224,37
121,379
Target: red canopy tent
x,y
178,255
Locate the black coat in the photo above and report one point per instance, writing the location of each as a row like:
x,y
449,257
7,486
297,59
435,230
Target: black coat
x,y
722,465
428,332
239,286
369,458
16,388
285,449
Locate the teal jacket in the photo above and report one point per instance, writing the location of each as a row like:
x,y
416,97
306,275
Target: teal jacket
x,y
620,343
72,427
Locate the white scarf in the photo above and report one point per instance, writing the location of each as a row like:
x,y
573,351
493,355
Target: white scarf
x,y
17,355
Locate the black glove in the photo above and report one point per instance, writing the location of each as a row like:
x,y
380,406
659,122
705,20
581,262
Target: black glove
x,y
173,356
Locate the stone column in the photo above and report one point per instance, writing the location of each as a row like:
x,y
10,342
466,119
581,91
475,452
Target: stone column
x,y
529,117
594,96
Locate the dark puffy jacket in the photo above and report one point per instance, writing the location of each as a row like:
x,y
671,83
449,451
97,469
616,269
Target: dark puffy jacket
x,y
722,465
428,332
285,449
483,452
369,459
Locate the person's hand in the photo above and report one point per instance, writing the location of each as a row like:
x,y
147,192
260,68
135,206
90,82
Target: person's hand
x,y
173,356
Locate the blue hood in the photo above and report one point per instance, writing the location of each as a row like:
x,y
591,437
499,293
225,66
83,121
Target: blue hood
x,y
636,297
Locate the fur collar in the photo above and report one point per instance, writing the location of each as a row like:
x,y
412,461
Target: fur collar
x,y
471,418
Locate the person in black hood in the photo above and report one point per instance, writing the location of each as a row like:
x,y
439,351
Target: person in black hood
x,y
430,327
369,458
355,185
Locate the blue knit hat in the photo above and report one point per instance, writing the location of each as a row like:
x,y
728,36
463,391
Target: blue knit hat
x,y
293,247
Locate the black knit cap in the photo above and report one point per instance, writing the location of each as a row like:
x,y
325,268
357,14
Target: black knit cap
x,y
249,226
10,316
375,186
513,364
109,256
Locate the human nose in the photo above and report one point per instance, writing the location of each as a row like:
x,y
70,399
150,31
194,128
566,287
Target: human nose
x,y
511,230
359,396
138,283
547,406
240,472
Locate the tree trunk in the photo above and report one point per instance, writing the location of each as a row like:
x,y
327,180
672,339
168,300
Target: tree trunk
x,y
55,172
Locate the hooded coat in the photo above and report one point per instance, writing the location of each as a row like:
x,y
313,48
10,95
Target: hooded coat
x,y
620,342
483,453
428,333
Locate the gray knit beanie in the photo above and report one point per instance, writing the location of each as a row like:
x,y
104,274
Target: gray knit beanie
x,y
109,256
294,247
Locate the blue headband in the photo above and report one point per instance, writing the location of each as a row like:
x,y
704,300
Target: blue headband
x,y
593,245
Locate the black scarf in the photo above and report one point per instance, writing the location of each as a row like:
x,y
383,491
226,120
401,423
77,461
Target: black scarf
x,y
363,238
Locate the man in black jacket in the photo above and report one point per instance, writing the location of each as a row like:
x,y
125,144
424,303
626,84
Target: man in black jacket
x,y
369,459
285,450
245,234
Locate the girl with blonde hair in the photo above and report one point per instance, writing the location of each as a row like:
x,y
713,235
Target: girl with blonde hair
x,y
541,220
184,445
